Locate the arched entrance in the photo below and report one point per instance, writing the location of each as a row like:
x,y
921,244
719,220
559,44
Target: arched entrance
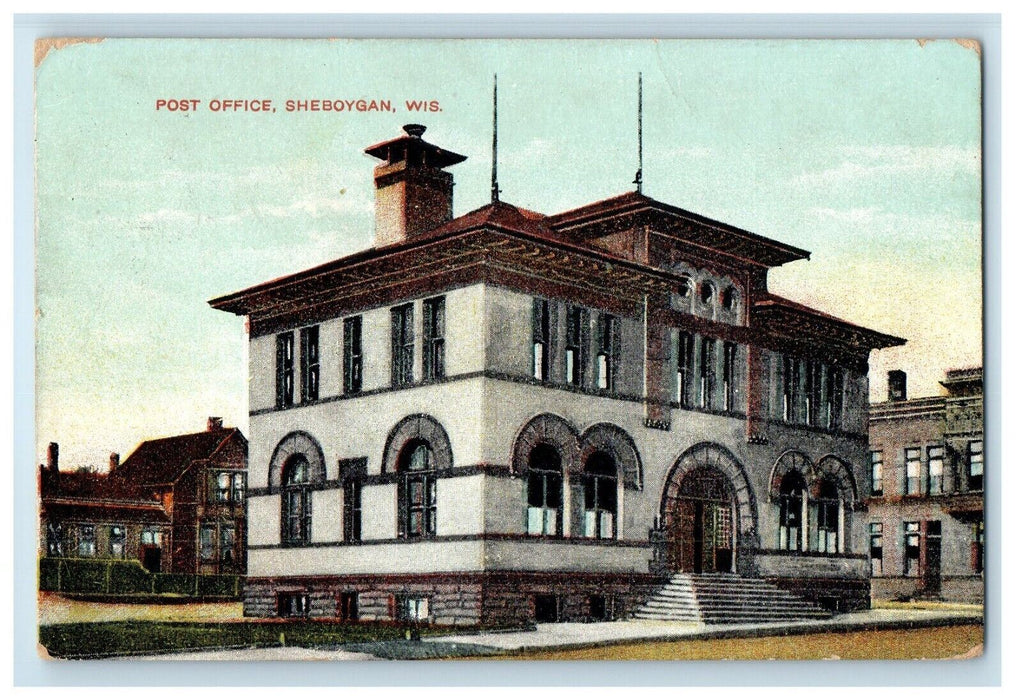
x,y
700,524
707,511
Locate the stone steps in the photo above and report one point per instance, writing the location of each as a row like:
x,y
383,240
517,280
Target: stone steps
x,y
725,599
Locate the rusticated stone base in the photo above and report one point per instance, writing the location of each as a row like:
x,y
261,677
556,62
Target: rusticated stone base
x,y
465,599
837,594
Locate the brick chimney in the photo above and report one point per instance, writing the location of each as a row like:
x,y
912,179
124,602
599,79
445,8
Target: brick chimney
x,y
115,461
214,423
414,193
53,457
896,385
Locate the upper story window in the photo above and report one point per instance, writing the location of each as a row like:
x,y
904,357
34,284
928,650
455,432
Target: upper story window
x,y
974,479
296,501
686,367
544,491
913,485
285,370
707,373
402,343
353,355
791,381
706,291
541,339
835,397
573,346
433,339
729,299
417,497
730,375
226,487
876,467
310,363
813,389
935,469
685,288
608,353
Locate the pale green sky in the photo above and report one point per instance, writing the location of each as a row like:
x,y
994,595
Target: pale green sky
x,y
865,153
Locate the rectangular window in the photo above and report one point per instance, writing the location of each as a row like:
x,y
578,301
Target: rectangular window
x,y
86,540
402,334
238,488
707,367
293,604
730,374
285,370
352,510
227,545
413,609
573,347
540,339
686,365
544,502
207,542
152,538
911,549
791,382
876,549
975,465
812,401
935,469
116,541
353,355
608,352
310,363
433,339
54,539
221,491
835,397
876,462
912,469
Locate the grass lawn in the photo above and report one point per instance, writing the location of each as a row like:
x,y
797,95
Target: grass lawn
x,y
928,643
99,639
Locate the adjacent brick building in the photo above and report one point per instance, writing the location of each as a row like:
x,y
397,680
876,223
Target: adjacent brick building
x,y
507,416
176,504
925,517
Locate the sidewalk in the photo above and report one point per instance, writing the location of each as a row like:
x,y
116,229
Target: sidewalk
x,y
567,635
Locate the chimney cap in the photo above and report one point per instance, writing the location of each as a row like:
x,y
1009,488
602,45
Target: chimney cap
x,y
410,147
214,423
414,130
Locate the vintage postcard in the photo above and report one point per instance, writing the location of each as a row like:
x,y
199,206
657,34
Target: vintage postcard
x,y
530,349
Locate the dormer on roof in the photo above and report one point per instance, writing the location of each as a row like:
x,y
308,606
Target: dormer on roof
x,y
414,193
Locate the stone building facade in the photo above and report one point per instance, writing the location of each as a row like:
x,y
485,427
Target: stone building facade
x,y
925,500
506,416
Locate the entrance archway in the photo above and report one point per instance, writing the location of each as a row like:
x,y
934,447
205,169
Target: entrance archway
x,y
708,512
701,524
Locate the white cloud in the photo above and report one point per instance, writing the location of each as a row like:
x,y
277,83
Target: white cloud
x,y
872,162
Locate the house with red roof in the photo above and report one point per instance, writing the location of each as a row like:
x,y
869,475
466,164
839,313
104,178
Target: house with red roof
x,y
176,504
509,417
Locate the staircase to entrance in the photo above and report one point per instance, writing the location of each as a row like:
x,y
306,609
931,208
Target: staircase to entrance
x,y
721,599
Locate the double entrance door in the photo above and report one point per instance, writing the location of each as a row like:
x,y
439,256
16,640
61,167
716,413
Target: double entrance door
x,y
701,525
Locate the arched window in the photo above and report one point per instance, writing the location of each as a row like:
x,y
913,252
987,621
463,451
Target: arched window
x,y
828,506
685,288
295,501
790,502
729,300
545,487
600,487
706,292
417,498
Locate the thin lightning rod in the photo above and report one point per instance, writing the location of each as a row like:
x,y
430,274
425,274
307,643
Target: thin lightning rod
x,y
494,189
638,173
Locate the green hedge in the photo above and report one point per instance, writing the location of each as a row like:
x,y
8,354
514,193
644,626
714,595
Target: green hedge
x,y
128,577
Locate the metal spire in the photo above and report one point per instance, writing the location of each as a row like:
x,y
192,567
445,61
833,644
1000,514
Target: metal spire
x,y
494,189
638,173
